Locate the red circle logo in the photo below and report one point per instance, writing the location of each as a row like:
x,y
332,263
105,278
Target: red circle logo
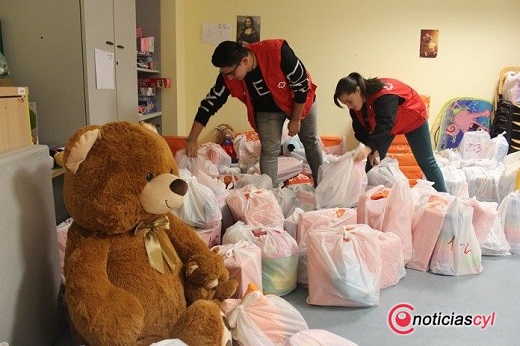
x,y
400,319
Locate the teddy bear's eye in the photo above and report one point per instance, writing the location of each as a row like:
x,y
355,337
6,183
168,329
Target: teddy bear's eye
x,y
149,177
171,171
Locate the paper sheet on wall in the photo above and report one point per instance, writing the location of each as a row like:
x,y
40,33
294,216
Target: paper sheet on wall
x,y
216,33
104,69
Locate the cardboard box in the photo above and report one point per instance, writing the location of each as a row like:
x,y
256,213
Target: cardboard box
x,y
15,128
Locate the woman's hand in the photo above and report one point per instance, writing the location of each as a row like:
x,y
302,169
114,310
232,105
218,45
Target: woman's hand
x,y
367,153
362,154
373,158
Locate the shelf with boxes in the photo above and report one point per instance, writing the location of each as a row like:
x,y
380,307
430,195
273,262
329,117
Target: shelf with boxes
x,y
149,79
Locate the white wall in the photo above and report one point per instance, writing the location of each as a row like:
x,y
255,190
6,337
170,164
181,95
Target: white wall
x,y
333,38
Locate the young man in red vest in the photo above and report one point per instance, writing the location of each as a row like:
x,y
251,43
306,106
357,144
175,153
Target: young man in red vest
x,y
274,85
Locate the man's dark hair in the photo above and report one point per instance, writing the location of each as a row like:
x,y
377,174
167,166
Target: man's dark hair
x,y
228,54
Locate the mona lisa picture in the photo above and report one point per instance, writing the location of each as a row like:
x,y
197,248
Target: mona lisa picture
x,y
248,29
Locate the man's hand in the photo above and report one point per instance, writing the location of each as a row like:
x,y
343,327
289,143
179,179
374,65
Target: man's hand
x,y
192,147
294,127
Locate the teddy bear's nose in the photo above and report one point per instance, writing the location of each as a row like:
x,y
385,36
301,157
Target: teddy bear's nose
x,y
179,186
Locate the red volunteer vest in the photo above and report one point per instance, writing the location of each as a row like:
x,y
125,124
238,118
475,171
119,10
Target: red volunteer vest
x,y
410,115
268,55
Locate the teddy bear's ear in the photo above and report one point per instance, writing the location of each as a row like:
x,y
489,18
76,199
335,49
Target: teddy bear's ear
x,y
191,267
58,158
149,126
81,148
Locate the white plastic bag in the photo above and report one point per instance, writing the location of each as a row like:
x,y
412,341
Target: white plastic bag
x,y
510,179
341,183
194,164
473,144
386,173
457,251
509,211
489,229
200,207
286,198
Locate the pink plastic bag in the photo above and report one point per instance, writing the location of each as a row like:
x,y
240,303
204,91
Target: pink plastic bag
x,y
344,266
331,217
317,337
255,207
279,261
393,213
392,261
211,235
426,227
243,260
265,320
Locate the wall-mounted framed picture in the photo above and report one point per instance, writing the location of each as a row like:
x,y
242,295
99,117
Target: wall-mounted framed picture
x,y
248,29
429,44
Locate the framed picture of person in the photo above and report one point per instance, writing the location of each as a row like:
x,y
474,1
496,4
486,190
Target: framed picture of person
x,y
429,43
248,29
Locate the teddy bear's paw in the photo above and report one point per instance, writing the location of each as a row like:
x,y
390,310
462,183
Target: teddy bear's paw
x,y
227,339
225,289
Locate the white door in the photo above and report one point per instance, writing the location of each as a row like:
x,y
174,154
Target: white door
x,y
98,34
126,59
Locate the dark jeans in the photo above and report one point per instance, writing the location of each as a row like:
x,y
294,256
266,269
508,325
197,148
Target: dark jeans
x,y
420,143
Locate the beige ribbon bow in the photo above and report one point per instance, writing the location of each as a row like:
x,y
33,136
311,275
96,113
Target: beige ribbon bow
x,y
157,243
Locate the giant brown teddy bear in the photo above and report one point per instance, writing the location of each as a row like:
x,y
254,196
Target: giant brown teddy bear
x,y
126,254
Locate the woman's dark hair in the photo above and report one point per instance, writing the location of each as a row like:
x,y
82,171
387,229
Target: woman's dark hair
x,y
228,54
348,84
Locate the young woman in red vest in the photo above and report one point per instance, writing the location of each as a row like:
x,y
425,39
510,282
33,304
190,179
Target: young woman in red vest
x,y
382,108
274,85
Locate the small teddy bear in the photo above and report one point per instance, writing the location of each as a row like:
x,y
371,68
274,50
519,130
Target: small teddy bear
x,y
223,132
205,280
